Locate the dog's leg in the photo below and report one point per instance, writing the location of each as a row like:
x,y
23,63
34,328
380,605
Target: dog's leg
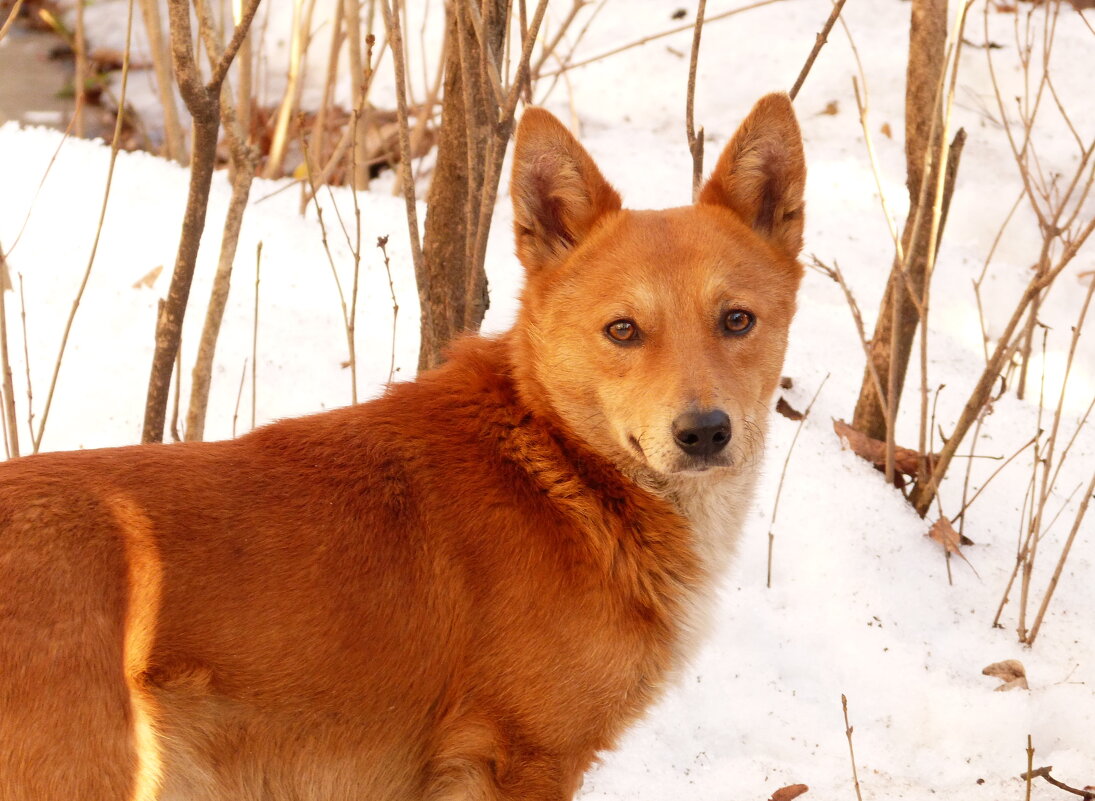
x,y
476,762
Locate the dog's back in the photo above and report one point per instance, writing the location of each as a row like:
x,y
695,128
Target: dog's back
x,y
374,597
462,590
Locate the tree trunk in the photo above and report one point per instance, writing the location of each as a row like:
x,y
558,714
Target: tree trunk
x,y
469,113
898,317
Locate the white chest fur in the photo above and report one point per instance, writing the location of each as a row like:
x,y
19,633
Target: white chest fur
x,y
715,504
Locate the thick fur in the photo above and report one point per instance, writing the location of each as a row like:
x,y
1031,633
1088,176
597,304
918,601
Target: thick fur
x,y
461,591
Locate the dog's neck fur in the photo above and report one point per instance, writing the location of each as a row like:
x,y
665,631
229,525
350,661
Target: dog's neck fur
x,y
713,503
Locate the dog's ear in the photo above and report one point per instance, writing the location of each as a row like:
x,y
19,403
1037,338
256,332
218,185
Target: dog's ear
x,y
558,192
761,175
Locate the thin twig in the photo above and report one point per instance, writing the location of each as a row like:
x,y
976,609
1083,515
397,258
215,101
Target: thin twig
x,y
351,344
995,472
382,243
26,360
822,38
115,146
176,397
239,395
695,141
851,750
783,474
1061,561
11,425
653,37
255,337
1087,795
391,20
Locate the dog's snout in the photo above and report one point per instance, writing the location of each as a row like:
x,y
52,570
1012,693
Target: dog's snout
x,y
702,433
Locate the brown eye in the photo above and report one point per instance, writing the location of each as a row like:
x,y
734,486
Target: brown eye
x,y
738,321
622,331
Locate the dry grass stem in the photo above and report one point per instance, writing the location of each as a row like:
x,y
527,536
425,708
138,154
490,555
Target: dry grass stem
x,y
346,321
239,396
1061,561
255,338
26,358
783,474
115,145
11,425
290,102
12,16
176,397
822,38
80,76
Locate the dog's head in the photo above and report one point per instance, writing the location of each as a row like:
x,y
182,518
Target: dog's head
x,y
658,336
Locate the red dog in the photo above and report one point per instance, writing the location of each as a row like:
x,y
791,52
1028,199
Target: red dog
x,y
462,590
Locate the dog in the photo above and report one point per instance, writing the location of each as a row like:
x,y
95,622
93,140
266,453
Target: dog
x,y
465,589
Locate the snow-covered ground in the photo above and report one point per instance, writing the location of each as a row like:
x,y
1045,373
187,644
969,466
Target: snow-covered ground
x,y
860,602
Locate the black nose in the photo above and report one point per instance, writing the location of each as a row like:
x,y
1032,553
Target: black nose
x,y
702,433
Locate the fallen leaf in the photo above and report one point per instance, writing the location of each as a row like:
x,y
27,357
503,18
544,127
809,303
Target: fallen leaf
x,y
906,460
943,532
887,131
789,792
787,410
1011,672
149,278
786,382
832,108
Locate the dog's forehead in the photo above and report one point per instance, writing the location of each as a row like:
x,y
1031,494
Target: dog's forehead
x,y
694,244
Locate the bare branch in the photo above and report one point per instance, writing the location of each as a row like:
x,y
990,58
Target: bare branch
x,y
822,38
695,142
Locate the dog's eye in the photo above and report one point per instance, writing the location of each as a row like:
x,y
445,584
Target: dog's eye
x,y
622,331
738,321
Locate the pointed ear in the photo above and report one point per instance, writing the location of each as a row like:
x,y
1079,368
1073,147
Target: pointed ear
x,y
558,192
761,174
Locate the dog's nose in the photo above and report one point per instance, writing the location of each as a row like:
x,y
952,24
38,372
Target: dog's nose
x,y
702,433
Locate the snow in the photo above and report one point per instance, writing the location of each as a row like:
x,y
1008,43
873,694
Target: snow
x,y
860,602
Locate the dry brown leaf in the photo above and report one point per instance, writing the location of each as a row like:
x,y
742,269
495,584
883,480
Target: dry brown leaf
x,y
1011,672
943,532
787,410
149,278
789,792
906,460
887,131
786,382
832,108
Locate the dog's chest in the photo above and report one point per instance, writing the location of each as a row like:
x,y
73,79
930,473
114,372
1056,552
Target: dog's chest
x,y
715,511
